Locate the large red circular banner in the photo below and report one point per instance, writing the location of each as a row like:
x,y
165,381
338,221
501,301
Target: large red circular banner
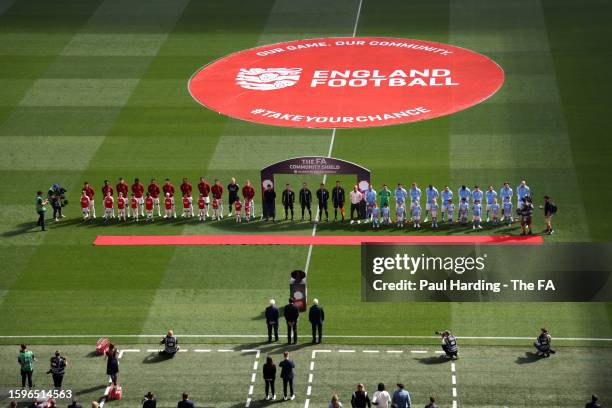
x,y
346,82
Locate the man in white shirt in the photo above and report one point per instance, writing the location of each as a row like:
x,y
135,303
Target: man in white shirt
x,y
381,398
356,198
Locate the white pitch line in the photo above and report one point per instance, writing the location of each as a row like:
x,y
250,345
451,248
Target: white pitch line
x,y
453,367
454,404
311,365
310,378
255,364
253,377
251,389
183,350
313,355
249,351
453,379
418,351
253,374
395,351
439,351
357,19
307,403
225,350
322,351
454,392
152,350
201,350
346,351
248,402
308,391
257,336
371,351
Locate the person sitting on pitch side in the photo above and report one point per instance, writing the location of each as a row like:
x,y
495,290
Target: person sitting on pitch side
x,y
542,344
170,343
449,344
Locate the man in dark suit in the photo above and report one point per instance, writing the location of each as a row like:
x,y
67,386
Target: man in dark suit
x,y
292,315
287,366
316,315
272,320
185,402
149,401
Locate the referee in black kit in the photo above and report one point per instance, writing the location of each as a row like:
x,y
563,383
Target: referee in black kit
x,y
59,364
292,314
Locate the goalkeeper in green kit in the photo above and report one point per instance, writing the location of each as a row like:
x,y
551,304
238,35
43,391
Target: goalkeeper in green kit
x,y
385,196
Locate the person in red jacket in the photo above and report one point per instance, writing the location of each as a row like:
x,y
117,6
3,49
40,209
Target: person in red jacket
x,y
217,193
202,207
85,205
248,192
168,189
90,193
134,207
149,206
107,188
204,189
138,191
154,190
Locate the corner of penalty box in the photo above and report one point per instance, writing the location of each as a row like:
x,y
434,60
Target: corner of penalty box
x,y
115,392
102,346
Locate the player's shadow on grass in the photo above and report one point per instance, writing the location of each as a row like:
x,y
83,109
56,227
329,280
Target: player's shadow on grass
x,y
275,347
433,360
528,358
23,228
91,389
155,357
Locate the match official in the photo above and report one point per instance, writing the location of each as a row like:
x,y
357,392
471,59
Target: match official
x,y
272,315
549,210
287,367
316,316
59,364
292,314
288,199
323,197
338,198
306,200
593,403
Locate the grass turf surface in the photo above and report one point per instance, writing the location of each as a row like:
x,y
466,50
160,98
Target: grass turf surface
x,y
97,90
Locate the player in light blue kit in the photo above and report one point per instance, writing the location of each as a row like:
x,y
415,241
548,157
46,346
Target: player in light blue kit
x,y
505,191
386,214
370,199
375,216
450,211
507,207
433,210
463,211
491,195
476,212
416,214
400,213
431,194
494,207
464,192
447,194
522,191
400,197
415,195
477,194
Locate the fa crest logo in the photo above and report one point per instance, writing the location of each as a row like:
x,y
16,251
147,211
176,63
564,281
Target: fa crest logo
x,y
268,79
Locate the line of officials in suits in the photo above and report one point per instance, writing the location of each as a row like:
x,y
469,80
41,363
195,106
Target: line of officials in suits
x,y
316,316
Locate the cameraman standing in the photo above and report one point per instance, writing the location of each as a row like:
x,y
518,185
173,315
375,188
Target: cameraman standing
x,y
56,196
526,212
58,369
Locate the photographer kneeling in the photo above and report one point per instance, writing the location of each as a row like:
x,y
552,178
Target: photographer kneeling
x,y
170,345
449,344
57,197
526,212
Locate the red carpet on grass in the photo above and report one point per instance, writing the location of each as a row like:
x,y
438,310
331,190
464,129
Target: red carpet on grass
x,y
129,240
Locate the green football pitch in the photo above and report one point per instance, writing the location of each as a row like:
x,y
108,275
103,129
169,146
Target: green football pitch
x,y
97,89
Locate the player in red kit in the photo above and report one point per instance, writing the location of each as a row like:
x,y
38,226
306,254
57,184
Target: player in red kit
x,y
154,190
187,207
149,206
138,191
247,210
168,205
202,207
121,207
123,188
238,210
168,190
107,188
134,207
90,193
217,193
109,207
215,206
248,192
186,189
85,205
204,189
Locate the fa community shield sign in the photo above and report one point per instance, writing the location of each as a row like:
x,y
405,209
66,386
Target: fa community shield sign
x,y
346,82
